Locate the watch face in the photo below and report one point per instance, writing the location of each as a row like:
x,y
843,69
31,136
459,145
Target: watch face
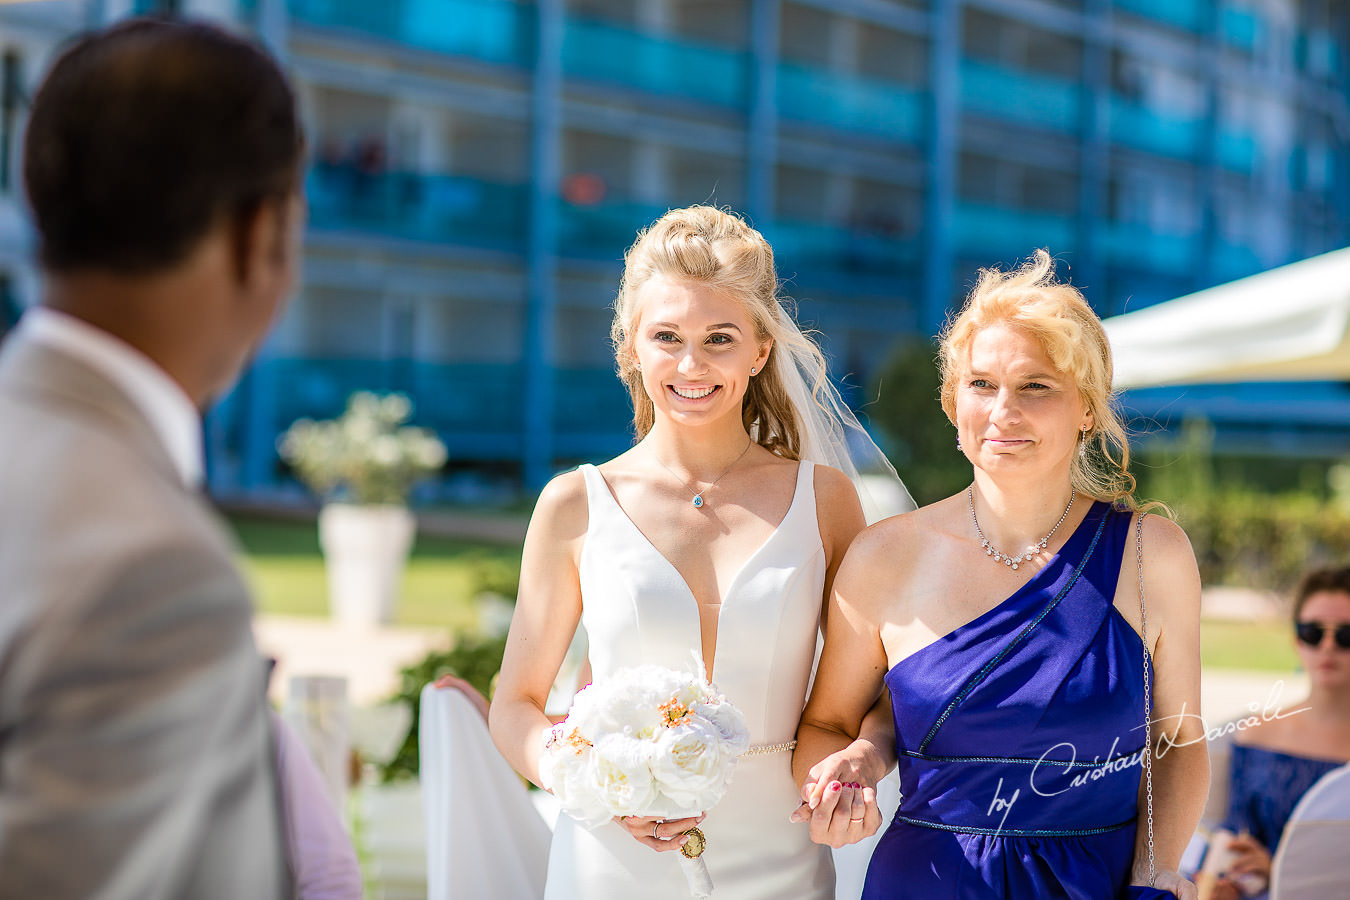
x,y
693,848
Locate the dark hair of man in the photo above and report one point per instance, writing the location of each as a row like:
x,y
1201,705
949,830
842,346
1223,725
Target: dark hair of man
x,y
1333,580
146,135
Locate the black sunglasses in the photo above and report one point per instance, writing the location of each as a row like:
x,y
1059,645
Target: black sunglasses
x,y
1311,633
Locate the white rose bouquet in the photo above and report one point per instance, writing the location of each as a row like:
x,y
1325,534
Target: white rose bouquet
x,y
647,741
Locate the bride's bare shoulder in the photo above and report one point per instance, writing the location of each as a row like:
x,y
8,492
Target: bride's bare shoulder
x,y
561,512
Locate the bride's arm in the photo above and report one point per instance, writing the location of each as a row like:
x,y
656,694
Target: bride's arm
x,y
844,723
548,609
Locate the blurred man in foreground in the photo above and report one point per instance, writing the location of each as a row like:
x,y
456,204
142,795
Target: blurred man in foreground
x,y
162,165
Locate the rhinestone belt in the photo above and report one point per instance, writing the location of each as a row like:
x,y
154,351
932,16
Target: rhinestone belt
x,y
762,749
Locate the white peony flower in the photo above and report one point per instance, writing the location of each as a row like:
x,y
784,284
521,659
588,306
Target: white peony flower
x,y
564,769
729,723
621,776
688,766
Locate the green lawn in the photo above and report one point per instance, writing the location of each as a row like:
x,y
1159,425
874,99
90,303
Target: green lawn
x,y
1248,645
283,564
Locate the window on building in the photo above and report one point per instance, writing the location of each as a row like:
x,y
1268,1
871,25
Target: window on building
x,y
338,324
622,12
608,161
800,194
157,7
723,22
885,210
493,149
708,178
892,56
801,35
1015,185
1007,42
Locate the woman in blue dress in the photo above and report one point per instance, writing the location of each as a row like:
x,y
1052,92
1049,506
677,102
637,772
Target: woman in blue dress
x,y
1006,621
1275,762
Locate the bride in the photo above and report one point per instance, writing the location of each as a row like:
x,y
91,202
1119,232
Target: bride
x,y
717,533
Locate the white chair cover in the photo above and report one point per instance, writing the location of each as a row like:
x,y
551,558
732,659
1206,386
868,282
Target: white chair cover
x,y
485,838
1311,862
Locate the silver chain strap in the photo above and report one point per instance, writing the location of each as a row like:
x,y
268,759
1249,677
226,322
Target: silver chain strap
x,y
1148,697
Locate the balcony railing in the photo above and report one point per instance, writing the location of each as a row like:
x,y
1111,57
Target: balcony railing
x,y
496,31
1237,151
1153,130
655,65
981,228
1188,15
1133,246
1027,97
1241,28
811,247
445,208
850,102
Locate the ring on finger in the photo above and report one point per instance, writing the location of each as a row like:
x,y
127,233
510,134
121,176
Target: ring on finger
x,y
858,820
655,825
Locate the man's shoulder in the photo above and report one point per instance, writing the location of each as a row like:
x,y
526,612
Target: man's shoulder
x,y
83,503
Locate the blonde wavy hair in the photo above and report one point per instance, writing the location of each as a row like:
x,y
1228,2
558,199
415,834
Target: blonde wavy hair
x,y
716,248
1031,299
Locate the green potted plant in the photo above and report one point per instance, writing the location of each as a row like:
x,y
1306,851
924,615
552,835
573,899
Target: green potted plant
x,y
363,464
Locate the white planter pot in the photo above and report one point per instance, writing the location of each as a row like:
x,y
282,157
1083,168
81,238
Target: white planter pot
x,y
365,550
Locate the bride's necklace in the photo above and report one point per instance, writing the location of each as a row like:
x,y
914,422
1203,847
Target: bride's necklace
x,y
698,500
999,555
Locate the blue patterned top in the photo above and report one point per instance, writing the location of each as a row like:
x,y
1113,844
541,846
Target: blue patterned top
x,y
1265,786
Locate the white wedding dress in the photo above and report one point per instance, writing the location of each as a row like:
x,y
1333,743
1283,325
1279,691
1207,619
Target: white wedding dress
x,y
637,609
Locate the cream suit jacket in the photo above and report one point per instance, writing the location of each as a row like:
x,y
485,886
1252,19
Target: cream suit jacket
x,y
135,761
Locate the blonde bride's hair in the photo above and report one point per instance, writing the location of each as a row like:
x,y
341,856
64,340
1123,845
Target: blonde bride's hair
x,y
717,249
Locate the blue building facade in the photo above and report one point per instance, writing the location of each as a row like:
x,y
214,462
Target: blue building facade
x,y
479,167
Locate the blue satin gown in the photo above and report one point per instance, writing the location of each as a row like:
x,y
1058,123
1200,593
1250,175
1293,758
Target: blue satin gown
x,y
1019,737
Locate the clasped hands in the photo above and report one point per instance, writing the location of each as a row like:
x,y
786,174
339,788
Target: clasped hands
x,y
839,799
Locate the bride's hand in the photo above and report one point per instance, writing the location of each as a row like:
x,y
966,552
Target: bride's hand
x,y
659,834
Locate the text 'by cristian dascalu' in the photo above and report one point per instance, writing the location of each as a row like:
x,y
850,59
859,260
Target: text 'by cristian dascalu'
x,y
1098,769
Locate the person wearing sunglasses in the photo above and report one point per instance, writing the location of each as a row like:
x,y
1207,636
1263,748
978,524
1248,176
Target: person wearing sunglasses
x,y
1275,763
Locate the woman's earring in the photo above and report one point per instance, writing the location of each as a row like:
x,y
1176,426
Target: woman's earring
x,y
753,370
1082,443
958,443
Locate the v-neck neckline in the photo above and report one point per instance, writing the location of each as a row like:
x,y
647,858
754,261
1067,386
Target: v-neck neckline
x,y
684,582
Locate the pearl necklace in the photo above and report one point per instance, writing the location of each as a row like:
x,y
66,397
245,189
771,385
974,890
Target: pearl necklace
x,y
698,495
998,555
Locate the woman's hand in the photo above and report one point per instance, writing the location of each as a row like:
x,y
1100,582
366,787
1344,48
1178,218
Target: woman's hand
x,y
1251,858
454,682
1168,880
659,834
839,796
843,812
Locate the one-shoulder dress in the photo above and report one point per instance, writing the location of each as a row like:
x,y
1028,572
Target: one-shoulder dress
x,y
1019,737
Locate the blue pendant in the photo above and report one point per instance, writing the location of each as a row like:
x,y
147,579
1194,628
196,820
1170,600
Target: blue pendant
x,y
698,501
